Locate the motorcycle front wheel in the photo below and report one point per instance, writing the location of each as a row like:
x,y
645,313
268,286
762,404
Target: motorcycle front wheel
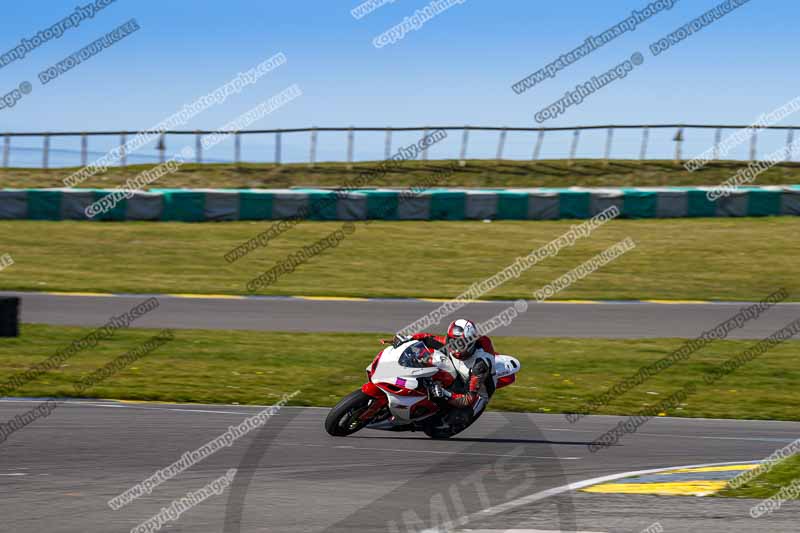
x,y
343,420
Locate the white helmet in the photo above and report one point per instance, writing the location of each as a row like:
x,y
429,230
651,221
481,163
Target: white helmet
x,y
462,335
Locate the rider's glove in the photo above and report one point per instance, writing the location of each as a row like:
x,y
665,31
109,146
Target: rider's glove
x,y
400,339
437,391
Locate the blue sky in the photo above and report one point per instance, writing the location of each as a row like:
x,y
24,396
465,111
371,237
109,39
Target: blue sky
x,y
457,69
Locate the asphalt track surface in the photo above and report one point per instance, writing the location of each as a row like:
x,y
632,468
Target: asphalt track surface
x,y
57,473
510,472
601,320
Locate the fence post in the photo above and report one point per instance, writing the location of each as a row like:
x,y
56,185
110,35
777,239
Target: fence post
x,y
425,148
237,148
678,142
387,145
46,151
645,140
161,147
753,146
717,141
123,153
462,159
312,148
789,143
84,149
350,143
609,139
538,148
6,149
574,148
198,148
277,147
501,143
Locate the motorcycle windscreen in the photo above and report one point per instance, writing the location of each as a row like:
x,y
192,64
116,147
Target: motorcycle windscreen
x,y
415,355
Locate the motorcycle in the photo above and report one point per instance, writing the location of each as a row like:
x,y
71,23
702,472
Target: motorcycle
x,y
396,395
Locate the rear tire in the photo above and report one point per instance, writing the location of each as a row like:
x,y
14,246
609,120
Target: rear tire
x,y
342,420
454,426
438,434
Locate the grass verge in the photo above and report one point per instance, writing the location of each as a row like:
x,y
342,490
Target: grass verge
x,y
726,259
558,375
477,173
768,484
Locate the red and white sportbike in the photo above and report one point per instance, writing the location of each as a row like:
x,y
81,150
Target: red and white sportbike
x,y
396,396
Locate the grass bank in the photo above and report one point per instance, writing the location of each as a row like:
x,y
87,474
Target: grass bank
x,y
558,375
726,259
476,173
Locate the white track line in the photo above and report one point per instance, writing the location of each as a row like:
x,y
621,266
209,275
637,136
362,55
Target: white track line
x,y
521,531
538,496
460,453
150,407
154,405
144,407
701,437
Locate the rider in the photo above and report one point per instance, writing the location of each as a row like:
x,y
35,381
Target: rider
x,y
474,352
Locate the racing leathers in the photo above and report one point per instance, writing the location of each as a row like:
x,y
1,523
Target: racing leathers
x,y
476,371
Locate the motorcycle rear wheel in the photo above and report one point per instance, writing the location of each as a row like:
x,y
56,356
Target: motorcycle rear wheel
x,y
437,433
343,420
434,432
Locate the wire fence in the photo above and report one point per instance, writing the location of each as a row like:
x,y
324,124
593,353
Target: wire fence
x,y
535,137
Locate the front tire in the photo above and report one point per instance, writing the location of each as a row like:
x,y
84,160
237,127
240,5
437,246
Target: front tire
x,y
343,420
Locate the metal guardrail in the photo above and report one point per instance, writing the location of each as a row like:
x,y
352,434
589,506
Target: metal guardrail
x,y
313,131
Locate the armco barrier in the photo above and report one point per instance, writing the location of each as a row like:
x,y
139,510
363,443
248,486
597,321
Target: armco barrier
x,y
195,205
